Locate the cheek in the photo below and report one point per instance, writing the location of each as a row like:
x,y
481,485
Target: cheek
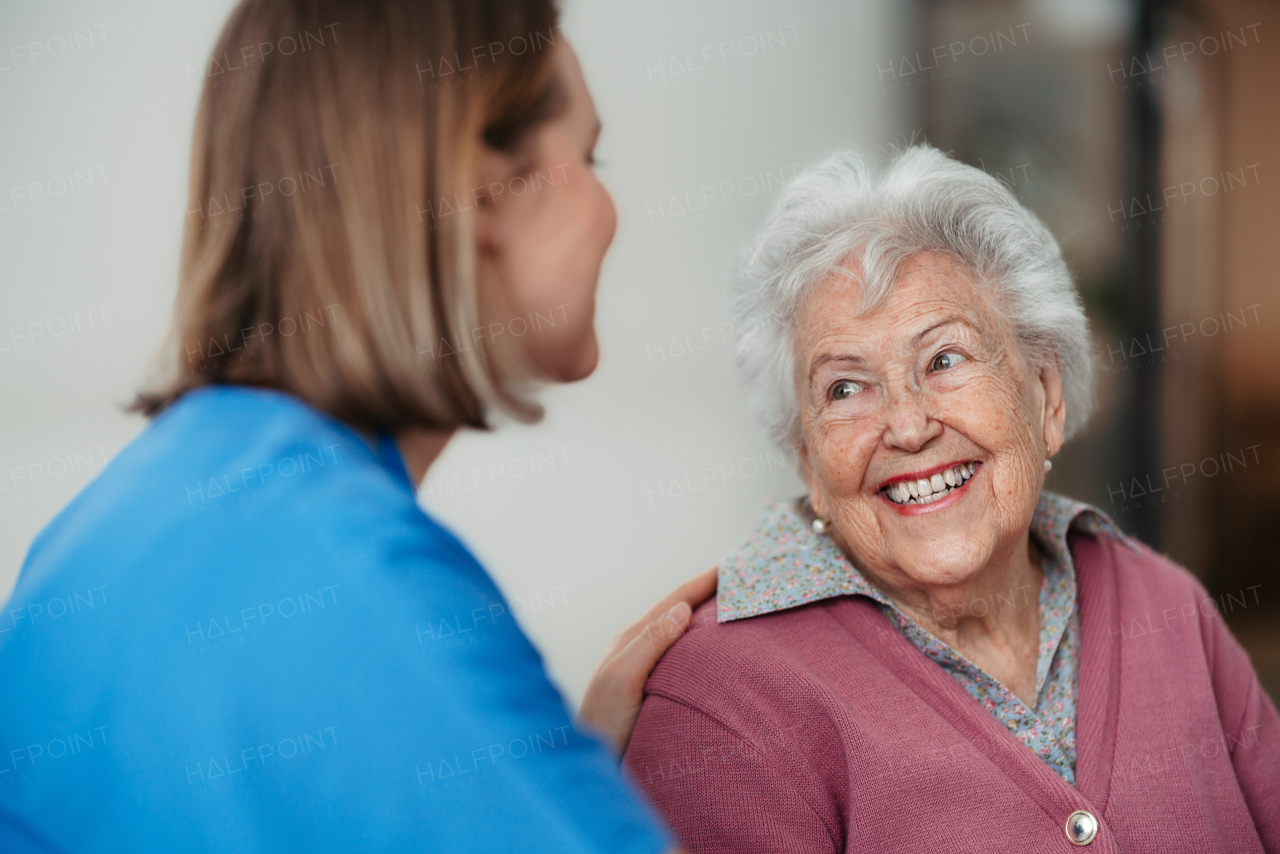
x,y
996,416
557,242
603,212
581,227
591,221
610,217
595,222
562,272
840,454
991,411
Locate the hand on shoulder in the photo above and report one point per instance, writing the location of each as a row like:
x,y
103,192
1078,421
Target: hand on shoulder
x,y
612,701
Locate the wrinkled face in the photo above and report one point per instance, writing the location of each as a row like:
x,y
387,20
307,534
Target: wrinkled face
x,y
545,234
925,431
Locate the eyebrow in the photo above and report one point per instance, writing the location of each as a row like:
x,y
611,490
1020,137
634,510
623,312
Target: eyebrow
x,y
828,358
946,321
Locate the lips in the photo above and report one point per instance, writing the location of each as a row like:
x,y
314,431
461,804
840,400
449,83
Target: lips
x,y
933,486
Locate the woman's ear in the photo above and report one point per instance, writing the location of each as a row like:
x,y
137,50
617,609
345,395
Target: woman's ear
x,y
817,500
1055,408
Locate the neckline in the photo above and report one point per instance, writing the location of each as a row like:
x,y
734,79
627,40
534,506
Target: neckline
x,y
384,448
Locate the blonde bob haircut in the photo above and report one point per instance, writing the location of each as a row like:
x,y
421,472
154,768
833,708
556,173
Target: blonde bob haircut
x,y
327,252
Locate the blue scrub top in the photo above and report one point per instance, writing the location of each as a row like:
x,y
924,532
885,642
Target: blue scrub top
x,y
245,635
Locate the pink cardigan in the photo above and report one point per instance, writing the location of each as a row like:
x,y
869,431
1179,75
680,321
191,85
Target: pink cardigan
x,y
821,728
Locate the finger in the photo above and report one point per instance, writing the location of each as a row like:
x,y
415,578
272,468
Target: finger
x,y
698,589
693,593
637,659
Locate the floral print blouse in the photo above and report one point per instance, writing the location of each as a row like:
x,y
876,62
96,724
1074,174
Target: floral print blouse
x,y
785,564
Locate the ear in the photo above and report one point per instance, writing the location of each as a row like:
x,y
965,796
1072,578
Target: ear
x,y
1054,416
817,499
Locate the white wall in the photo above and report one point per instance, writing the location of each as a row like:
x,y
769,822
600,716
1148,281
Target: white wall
x,y
581,518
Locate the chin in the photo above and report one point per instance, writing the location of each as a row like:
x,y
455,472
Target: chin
x,y
933,574
944,561
582,365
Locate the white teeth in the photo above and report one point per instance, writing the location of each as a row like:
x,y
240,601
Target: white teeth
x,y
933,488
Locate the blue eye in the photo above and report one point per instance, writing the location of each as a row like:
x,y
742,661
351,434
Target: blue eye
x,y
845,389
943,361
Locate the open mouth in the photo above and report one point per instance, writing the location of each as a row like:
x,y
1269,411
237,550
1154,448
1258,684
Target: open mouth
x,y
930,488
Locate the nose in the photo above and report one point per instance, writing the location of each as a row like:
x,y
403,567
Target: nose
x,y
908,424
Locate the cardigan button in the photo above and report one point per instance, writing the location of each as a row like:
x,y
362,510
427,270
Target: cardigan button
x,y
1082,827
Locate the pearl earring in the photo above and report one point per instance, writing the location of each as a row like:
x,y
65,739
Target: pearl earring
x,y
819,526
1048,466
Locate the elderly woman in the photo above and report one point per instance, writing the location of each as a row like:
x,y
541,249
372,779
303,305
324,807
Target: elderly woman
x,y
929,652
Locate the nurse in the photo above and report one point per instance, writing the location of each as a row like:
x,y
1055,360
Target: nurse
x,y
245,635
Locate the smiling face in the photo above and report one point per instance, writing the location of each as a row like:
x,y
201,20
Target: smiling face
x,y
924,428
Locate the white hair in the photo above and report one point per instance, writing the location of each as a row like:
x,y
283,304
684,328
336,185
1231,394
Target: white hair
x,y
837,211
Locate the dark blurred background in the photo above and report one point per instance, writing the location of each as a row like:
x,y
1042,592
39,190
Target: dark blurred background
x,y
1146,136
